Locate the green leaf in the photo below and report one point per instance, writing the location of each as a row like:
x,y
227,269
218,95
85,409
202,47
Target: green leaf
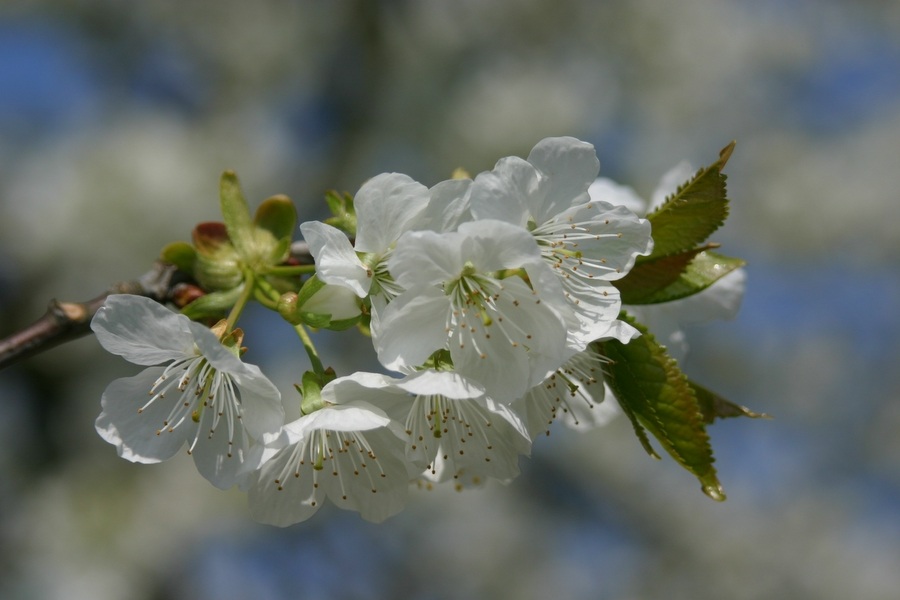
x,y
714,406
180,254
693,213
236,214
675,276
649,277
657,397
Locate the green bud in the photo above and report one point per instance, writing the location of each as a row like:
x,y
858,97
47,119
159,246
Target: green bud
x,y
216,266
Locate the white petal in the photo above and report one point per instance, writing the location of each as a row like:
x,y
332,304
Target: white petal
x,y
137,435
361,469
216,460
479,439
411,327
386,206
608,237
445,383
347,417
568,166
721,300
524,339
497,245
277,502
426,258
610,192
141,330
500,194
449,205
335,300
375,390
336,259
581,416
263,411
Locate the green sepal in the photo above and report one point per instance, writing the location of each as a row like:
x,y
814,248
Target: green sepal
x,y
316,320
236,214
657,397
310,389
231,340
290,307
180,254
675,276
342,210
213,305
278,215
713,406
309,289
693,213
341,324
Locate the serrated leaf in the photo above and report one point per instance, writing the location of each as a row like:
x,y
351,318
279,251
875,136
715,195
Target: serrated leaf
x,y
236,213
649,277
693,213
701,268
657,396
713,406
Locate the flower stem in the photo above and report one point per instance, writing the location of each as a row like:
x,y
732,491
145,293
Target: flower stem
x,y
310,349
238,308
290,270
273,295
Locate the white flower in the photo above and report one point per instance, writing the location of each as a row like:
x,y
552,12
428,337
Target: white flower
x,y
349,452
206,397
386,206
503,333
589,244
574,395
457,432
667,320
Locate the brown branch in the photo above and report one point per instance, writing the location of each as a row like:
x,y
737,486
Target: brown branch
x,y
67,321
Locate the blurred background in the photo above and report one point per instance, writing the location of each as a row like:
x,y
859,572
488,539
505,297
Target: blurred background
x,y
117,118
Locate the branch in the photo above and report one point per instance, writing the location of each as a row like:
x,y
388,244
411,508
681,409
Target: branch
x,y
67,321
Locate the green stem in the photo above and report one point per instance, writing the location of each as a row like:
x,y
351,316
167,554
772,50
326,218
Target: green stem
x,y
310,349
290,271
273,294
238,308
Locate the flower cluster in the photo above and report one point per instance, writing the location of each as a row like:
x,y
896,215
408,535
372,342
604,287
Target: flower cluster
x,y
490,301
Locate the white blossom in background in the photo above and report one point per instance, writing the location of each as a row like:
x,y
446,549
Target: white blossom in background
x,y
588,243
206,397
350,452
667,320
501,332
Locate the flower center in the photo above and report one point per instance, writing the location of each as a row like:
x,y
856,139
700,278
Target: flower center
x,y
204,397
